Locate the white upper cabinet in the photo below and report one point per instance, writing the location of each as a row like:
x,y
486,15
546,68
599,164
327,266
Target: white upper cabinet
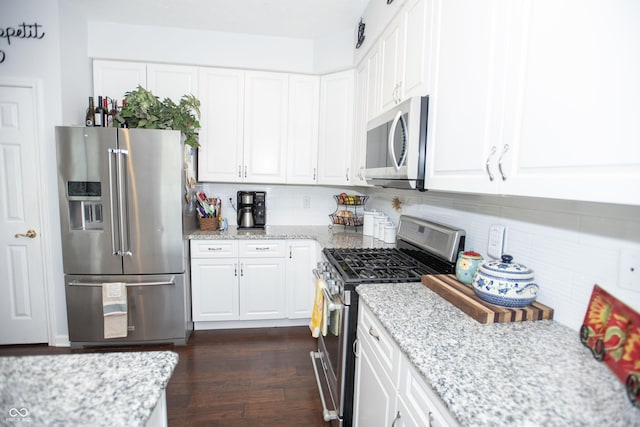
x,y
302,136
522,106
462,112
392,58
221,137
576,129
265,124
405,53
115,78
336,128
172,81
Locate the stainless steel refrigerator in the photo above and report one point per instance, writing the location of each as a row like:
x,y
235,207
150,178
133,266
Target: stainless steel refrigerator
x,y
124,210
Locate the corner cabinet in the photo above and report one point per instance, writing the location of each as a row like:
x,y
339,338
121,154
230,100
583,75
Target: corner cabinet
x,y
537,121
337,93
388,389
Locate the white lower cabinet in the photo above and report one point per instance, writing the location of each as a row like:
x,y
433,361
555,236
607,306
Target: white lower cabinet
x,y
301,260
236,280
388,389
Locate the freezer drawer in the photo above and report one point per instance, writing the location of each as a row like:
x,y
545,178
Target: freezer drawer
x,y
156,310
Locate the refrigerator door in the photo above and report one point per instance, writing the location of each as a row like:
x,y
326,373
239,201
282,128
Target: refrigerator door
x,y
156,309
88,227
152,192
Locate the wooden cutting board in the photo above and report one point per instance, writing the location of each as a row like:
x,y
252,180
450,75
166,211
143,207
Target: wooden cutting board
x,y
463,297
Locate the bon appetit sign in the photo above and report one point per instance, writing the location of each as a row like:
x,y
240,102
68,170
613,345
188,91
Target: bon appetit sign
x,y
21,31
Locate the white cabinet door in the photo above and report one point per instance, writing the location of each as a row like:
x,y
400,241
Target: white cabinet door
x,y
302,259
417,16
302,136
262,288
373,83
392,63
465,107
265,127
336,128
418,404
115,78
172,81
576,131
214,289
375,394
222,134
359,157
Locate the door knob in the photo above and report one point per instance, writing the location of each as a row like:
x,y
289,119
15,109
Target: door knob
x,y
30,234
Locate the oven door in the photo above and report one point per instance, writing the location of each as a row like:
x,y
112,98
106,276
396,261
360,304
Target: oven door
x,y
330,359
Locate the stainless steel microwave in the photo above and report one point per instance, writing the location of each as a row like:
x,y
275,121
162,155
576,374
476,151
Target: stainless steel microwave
x,y
397,146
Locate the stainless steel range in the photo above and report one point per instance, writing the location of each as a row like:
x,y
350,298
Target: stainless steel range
x,y
422,247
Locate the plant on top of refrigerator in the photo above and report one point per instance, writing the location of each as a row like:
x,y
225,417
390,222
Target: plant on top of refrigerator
x,y
142,109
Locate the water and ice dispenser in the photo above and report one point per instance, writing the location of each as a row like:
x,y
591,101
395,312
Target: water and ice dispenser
x,y
85,205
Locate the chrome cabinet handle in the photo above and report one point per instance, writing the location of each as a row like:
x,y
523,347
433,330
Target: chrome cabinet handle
x,y
395,420
487,164
355,347
242,270
504,151
347,175
245,171
373,333
239,171
235,270
314,174
30,234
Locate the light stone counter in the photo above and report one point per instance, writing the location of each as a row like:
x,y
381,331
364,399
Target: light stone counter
x,y
326,237
509,374
88,389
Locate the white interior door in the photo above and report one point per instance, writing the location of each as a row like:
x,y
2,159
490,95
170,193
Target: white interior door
x,y
23,317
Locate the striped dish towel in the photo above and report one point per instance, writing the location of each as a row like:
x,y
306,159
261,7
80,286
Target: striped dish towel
x,y
114,309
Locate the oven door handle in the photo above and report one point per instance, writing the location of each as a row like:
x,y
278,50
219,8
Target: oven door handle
x,y
327,415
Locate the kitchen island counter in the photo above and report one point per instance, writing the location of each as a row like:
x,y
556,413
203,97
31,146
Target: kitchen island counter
x,y
335,237
89,389
524,373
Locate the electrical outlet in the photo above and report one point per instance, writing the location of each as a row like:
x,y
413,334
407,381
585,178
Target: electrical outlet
x,y
306,202
496,241
229,201
629,269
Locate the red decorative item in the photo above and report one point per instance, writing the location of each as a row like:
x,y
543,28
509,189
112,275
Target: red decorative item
x,y
612,331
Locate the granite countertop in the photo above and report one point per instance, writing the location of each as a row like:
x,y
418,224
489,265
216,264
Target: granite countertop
x,y
89,389
336,237
509,374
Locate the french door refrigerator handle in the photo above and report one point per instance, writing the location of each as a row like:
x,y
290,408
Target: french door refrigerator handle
x,y
125,249
114,250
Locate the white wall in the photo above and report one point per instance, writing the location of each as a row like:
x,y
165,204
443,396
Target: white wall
x,y
570,245
39,61
197,47
285,203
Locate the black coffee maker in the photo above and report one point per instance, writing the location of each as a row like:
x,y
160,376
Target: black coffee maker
x,y
252,209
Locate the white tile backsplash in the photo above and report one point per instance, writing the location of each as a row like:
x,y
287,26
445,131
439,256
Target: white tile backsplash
x,y
570,245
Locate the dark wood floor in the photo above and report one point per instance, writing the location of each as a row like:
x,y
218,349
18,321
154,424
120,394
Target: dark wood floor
x,y
234,378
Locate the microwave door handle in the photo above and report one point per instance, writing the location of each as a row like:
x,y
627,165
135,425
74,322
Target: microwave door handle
x,y
392,131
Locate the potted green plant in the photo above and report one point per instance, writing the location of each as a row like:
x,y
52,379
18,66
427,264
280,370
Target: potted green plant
x,y
142,109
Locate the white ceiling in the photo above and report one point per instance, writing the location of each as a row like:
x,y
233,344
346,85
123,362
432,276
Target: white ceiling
x,y
305,19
